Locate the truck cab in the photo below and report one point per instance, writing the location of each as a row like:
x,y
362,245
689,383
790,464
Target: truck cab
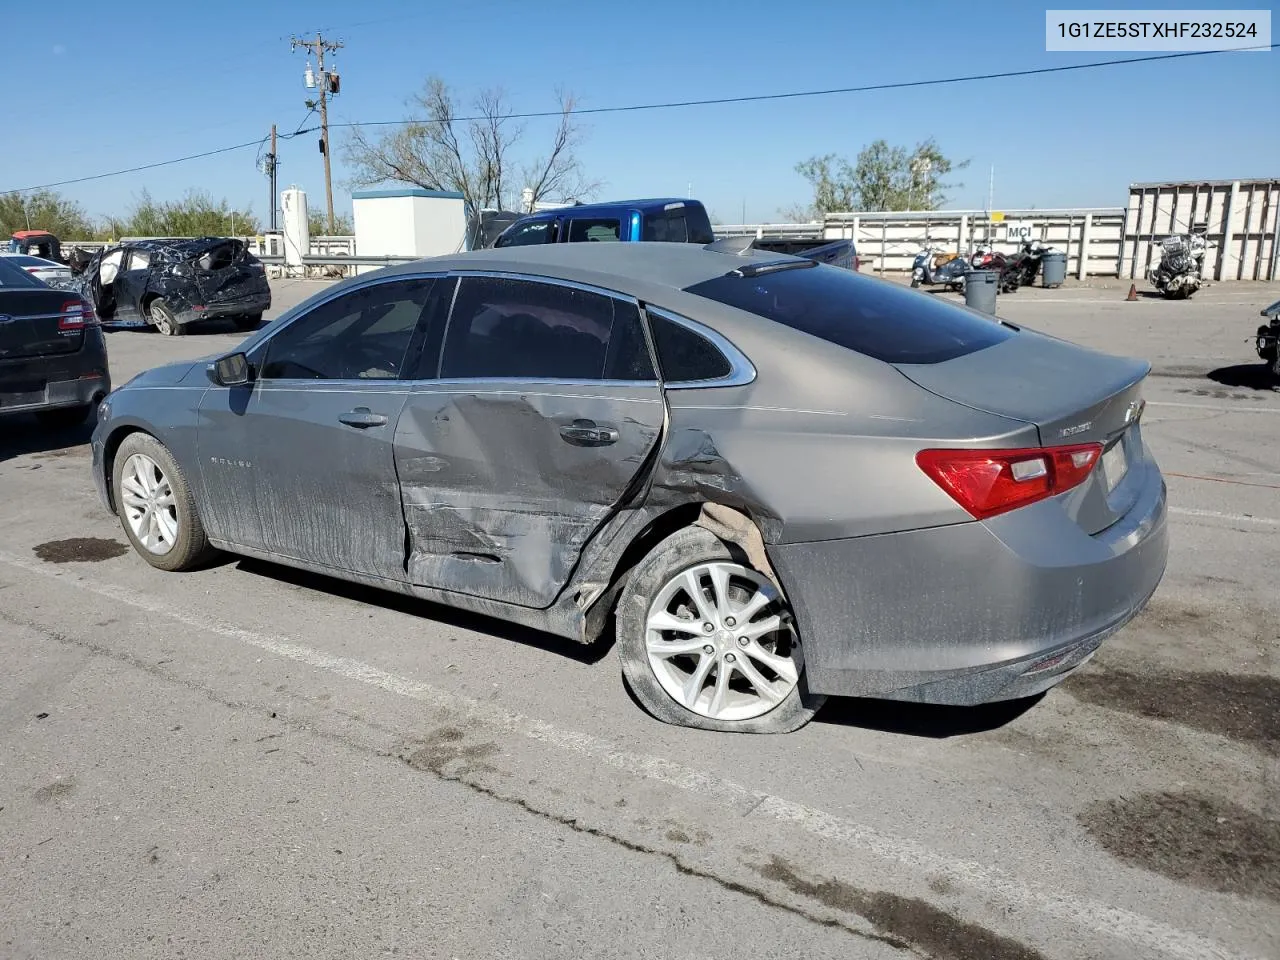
x,y
661,220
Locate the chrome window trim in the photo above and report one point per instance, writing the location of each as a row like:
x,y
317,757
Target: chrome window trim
x,y
741,370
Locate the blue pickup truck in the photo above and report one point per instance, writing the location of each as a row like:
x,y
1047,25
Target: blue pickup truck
x,y
662,220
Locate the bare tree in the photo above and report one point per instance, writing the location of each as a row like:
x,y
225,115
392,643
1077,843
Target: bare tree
x,y
475,154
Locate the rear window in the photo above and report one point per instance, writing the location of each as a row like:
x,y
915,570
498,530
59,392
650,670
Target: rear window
x,y
873,317
683,224
12,276
22,260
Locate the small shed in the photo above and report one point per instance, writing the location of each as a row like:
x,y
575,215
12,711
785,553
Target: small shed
x,y
408,222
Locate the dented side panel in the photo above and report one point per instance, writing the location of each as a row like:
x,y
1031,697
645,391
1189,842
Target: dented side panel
x,y
504,483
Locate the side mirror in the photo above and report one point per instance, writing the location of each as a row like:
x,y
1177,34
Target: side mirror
x,y
230,371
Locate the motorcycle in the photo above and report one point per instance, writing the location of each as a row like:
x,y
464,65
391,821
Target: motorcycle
x,y
1177,275
1267,342
931,268
1028,259
1010,270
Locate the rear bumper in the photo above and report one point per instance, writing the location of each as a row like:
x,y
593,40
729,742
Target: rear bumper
x,y
974,612
49,383
256,302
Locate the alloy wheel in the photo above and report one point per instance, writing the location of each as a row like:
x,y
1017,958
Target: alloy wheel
x,y
149,505
720,642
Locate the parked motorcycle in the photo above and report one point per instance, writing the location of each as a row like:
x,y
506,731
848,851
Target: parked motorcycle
x,y
1178,274
1009,268
1268,340
933,268
1028,260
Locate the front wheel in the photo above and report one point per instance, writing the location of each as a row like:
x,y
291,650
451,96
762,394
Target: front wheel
x,y
705,641
163,319
156,507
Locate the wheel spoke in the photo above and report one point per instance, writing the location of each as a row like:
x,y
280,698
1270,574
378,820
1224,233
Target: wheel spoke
x,y
721,691
784,667
761,628
131,486
693,586
674,648
720,589
762,686
168,526
668,621
165,499
759,600
131,498
693,686
140,476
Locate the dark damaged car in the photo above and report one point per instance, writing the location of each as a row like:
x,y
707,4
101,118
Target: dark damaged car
x,y
172,283
784,480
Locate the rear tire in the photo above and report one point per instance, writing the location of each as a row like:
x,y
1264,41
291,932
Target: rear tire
x,y
655,586
177,540
64,418
247,321
163,319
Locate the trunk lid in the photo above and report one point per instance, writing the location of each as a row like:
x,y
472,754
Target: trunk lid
x,y
1071,394
227,271
31,323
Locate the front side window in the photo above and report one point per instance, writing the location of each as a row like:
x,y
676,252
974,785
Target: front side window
x,y
110,266
360,335
874,318
594,229
523,329
527,234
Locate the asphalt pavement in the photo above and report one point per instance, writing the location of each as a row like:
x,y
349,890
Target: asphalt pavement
x,y
249,761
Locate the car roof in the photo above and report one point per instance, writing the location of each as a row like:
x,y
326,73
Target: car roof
x,y
626,267
590,209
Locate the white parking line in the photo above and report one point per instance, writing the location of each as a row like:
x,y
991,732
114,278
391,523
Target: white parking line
x,y
1017,894
1212,406
1232,517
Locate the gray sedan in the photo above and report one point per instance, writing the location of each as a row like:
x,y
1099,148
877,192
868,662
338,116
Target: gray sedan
x,y
780,480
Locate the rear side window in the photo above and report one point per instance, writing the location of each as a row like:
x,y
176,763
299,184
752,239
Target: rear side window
x,y
686,356
139,260
595,229
873,317
11,276
666,227
529,330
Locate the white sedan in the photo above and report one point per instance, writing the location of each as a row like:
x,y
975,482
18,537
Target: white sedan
x,y
49,271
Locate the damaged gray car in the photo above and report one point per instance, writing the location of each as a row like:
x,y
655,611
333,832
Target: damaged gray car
x,y
780,480
170,284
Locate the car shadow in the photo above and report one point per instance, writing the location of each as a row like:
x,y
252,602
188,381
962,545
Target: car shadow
x,y
427,610
1251,376
23,434
927,720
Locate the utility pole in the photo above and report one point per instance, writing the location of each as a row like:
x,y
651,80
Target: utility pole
x,y
329,84
271,179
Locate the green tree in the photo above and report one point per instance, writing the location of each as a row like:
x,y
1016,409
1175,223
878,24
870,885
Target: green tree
x,y
318,224
884,177
195,215
43,210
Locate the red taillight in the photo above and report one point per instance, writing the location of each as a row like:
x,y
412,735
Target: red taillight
x,y
857,263
32,269
76,315
989,482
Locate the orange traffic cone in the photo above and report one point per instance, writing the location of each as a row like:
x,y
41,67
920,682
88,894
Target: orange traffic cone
x,y
1133,293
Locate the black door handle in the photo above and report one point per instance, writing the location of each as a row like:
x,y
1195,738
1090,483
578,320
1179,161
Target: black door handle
x,y
588,433
362,417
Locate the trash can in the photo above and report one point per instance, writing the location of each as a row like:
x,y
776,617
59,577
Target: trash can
x,y
980,290
1053,269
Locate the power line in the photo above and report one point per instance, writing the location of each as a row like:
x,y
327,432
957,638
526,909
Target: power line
x,y
664,105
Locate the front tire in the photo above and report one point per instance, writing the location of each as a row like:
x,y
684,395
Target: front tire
x,y
156,507
162,317
745,674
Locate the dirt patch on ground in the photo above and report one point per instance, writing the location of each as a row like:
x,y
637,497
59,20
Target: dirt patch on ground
x,y
905,920
56,790
80,550
1244,707
444,748
1193,838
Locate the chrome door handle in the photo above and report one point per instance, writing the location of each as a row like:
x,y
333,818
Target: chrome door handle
x,y
362,417
588,433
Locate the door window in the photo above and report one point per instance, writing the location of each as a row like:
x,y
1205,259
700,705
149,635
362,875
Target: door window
x,y
686,356
138,260
538,231
594,229
529,330
359,335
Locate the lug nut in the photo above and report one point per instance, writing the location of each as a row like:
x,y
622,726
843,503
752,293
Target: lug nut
x,y
730,657
708,627
743,641
729,621
708,649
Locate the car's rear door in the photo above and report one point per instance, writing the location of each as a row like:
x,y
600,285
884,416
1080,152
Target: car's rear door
x,y
131,283
537,425
299,462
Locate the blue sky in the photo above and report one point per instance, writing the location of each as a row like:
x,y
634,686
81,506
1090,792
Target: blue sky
x,y
126,88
